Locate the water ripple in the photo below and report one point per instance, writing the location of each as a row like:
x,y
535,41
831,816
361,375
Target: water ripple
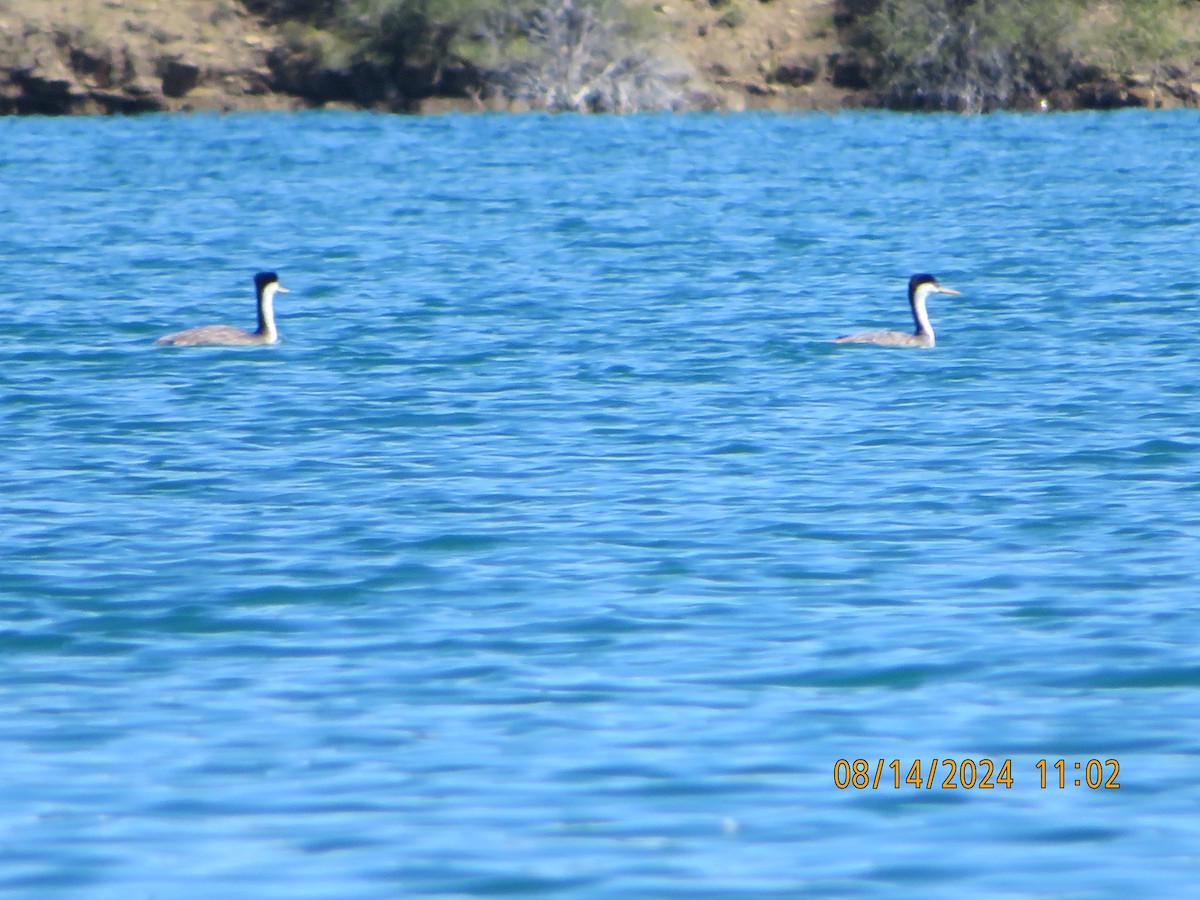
x,y
556,549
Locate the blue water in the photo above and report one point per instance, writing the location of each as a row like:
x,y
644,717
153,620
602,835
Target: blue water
x,y
556,550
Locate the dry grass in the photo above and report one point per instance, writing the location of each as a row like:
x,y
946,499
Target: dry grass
x,y
1144,41
735,46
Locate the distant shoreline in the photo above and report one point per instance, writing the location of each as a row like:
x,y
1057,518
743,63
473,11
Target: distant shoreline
x,y
72,57
55,100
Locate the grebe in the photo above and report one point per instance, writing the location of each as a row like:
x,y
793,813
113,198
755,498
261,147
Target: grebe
x,y
919,287
265,285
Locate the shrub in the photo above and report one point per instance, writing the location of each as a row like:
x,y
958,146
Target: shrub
x,y
967,55
975,55
1142,37
582,55
579,56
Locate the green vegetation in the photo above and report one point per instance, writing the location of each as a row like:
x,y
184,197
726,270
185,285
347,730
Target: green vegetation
x,y
967,55
597,55
1143,37
601,55
388,53
578,55
976,55
586,55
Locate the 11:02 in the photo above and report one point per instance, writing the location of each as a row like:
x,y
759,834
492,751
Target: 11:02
x,y
1092,771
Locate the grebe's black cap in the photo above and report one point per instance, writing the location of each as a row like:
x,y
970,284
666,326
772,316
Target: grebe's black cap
x,y
917,280
262,279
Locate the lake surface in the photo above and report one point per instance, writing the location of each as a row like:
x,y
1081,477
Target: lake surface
x,y
556,550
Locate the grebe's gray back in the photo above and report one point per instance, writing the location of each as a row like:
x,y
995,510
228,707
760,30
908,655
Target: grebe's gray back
x,y
919,288
265,285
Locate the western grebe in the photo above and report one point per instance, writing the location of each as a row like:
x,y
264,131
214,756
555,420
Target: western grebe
x,y
265,285
919,287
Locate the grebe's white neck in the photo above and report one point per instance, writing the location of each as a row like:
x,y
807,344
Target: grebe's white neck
x,y
266,312
920,315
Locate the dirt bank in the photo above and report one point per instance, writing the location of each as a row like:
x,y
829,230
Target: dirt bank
x,y
86,56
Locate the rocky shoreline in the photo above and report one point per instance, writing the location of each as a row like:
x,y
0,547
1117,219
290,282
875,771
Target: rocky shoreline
x,y
126,56
135,56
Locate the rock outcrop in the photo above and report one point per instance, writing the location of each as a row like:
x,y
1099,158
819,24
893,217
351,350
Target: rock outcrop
x,y
124,56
